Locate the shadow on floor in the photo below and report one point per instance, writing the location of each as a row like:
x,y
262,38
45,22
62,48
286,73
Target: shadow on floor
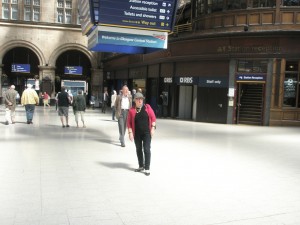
x,y
116,165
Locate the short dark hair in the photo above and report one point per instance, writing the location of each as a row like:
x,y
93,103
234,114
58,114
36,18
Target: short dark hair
x,y
80,92
63,89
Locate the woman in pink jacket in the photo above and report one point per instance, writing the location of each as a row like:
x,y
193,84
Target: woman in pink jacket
x,y
141,123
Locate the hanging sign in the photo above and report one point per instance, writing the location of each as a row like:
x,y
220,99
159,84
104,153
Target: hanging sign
x,y
20,68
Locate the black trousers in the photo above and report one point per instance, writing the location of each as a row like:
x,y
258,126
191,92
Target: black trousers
x,y
143,142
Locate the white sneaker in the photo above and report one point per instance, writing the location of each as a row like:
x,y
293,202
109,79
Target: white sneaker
x,y
147,172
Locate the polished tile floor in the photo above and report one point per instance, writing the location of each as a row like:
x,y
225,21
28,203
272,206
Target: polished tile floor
x,y
201,174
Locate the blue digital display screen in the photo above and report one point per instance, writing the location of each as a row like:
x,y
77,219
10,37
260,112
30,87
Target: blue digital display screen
x,y
20,68
144,14
73,70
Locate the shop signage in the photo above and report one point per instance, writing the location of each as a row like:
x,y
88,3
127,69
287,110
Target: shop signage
x,y
144,14
249,49
187,80
123,40
250,77
73,70
168,80
20,68
213,82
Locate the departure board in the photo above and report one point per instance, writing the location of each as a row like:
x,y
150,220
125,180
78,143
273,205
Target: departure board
x,y
20,68
74,70
143,14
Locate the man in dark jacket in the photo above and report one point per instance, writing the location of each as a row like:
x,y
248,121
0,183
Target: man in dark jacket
x,y
79,106
63,102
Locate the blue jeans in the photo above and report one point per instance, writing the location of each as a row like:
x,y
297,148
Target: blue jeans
x,y
143,141
29,112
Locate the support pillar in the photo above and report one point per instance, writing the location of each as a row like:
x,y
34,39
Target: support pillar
x,y
97,82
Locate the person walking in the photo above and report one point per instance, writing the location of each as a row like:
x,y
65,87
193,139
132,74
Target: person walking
x,y
122,105
29,99
10,99
113,101
70,96
63,102
79,106
105,100
56,101
46,99
92,101
141,123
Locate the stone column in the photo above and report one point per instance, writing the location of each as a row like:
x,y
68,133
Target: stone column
x,y
97,82
48,72
1,66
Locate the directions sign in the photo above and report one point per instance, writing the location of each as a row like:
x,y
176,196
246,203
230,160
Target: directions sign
x,y
250,78
73,70
20,68
145,14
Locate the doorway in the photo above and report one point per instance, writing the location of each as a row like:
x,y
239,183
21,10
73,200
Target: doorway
x,y
185,102
212,105
250,103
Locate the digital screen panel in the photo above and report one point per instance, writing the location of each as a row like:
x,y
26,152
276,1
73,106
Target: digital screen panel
x,y
144,14
20,68
73,70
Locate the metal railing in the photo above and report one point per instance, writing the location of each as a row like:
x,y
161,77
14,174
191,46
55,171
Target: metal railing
x,y
182,28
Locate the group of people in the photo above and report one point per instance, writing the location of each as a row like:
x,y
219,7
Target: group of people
x,y
130,110
78,102
30,99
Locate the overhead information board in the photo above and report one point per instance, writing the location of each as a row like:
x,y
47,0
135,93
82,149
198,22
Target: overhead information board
x,y
20,68
124,40
142,14
73,70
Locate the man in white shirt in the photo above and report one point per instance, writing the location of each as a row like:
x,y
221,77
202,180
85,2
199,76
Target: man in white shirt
x,y
122,105
105,100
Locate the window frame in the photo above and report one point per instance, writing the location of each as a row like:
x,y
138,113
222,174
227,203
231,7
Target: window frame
x,y
296,73
259,66
64,12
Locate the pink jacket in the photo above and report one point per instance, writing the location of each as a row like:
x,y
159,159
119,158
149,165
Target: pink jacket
x,y
131,117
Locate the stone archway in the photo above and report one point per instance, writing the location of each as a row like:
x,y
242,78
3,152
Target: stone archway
x,y
9,52
66,47
95,79
21,43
